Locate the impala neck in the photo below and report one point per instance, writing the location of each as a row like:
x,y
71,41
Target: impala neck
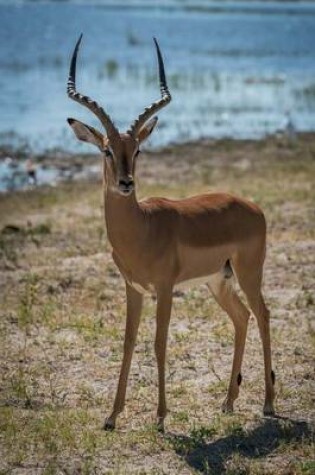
x,y
124,222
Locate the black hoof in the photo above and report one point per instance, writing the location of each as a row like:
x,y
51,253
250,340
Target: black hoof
x,y
227,408
160,426
269,411
109,426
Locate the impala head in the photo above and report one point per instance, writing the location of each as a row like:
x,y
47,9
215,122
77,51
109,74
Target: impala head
x,y
118,149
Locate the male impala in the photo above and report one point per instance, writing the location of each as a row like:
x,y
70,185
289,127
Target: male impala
x,y
159,243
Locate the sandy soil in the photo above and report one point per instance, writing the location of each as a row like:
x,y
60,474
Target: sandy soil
x,y
62,322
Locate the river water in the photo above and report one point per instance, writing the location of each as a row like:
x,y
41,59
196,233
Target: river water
x,y
240,69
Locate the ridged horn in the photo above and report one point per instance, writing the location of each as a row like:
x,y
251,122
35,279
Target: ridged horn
x,y
85,100
159,104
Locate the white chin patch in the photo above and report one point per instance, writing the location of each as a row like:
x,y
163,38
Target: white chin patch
x,y
124,193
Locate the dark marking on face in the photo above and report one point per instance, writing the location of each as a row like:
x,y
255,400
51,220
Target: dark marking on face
x,y
273,377
239,379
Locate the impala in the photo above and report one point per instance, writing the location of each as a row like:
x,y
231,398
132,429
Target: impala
x,y
159,243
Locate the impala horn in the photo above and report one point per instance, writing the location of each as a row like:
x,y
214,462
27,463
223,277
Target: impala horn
x,y
85,100
159,104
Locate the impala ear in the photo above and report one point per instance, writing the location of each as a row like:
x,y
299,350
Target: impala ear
x,y
86,133
147,129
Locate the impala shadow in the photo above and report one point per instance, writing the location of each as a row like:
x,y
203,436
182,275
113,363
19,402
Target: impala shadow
x,y
211,457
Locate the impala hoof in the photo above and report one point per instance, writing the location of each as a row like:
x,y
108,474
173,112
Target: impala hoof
x,y
160,426
109,425
227,407
269,410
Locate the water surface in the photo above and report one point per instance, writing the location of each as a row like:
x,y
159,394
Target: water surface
x,y
240,69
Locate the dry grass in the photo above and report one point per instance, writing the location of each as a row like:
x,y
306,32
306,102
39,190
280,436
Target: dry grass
x,y
62,323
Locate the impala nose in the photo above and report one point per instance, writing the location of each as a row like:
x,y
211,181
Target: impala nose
x,y
126,186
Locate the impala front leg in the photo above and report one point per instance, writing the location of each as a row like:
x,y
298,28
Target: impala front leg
x,y
163,314
134,307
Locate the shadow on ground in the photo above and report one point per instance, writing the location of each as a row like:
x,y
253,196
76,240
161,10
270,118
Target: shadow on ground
x,y
211,457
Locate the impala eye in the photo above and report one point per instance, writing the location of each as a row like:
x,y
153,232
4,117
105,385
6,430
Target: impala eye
x,y
107,153
137,152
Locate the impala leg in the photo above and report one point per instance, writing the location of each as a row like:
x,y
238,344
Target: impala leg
x,y
251,285
257,304
134,306
228,299
163,314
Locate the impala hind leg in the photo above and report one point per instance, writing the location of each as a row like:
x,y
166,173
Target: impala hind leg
x,y
134,307
163,314
228,299
250,283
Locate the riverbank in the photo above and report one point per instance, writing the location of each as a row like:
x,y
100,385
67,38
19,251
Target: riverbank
x,y
63,315
58,166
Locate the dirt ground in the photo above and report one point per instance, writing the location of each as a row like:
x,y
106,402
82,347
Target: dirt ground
x,y
62,325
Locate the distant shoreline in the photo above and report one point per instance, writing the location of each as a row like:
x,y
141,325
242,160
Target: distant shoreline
x,y
57,166
56,156
288,7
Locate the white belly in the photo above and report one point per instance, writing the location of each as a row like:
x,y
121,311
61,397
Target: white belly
x,y
188,284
